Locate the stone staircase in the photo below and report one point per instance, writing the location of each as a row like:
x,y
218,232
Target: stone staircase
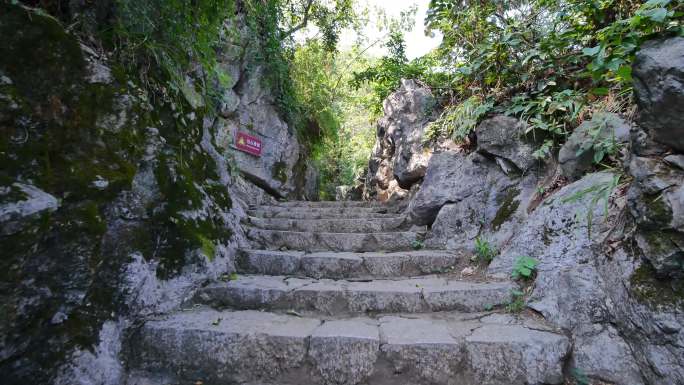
x,y
335,293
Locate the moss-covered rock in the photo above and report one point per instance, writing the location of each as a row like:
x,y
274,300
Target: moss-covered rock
x,y
652,289
121,188
654,200
508,205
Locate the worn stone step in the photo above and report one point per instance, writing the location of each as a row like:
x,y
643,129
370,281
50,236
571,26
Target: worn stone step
x,y
408,295
309,214
319,212
338,225
357,242
347,264
252,347
331,204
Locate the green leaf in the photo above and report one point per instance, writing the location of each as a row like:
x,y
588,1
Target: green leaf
x,y
657,14
530,263
656,3
614,64
625,73
600,91
591,51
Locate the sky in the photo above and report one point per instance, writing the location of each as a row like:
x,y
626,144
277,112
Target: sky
x,y
417,44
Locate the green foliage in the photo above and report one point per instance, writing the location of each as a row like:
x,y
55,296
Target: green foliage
x,y
384,76
545,60
275,22
524,268
517,303
580,376
598,192
458,120
162,38
417,245
484,251
601,144
313,75
551,115
339,128
618,42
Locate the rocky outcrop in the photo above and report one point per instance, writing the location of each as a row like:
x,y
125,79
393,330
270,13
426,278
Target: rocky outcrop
x,y
590,282
349,193
656,197
501,138
399,158
483,194
658,73
569,289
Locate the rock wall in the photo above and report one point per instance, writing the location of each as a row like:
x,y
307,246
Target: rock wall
x,y
486,193
248,106
113,207
609,244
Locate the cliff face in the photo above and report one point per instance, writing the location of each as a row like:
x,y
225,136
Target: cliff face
x,y
114,205
248,106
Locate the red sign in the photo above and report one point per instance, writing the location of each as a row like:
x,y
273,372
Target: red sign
x,y
248,143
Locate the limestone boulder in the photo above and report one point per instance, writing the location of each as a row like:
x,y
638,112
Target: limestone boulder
x,y
501,138
399,153
451,177
579,152
658,73
468,196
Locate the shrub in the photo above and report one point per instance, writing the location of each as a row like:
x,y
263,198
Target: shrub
x,y
459,120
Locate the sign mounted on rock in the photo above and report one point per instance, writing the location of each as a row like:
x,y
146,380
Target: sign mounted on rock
x,y
248,143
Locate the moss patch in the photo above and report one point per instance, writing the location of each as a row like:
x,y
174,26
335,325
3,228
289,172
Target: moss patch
x,y
658,213
656,291
507,207
280,172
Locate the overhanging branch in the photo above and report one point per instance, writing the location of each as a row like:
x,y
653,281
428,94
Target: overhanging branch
x,y
305,20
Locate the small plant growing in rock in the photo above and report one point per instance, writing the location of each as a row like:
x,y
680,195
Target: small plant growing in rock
x,y
484,251
417,245
517,303
524,268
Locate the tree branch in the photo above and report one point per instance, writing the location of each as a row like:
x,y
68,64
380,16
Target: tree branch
x,y
305,21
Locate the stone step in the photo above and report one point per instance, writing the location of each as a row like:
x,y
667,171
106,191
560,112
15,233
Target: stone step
x,y
308,214
331,204
407,295
252,347
339,225
346,264
354,212
357,242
